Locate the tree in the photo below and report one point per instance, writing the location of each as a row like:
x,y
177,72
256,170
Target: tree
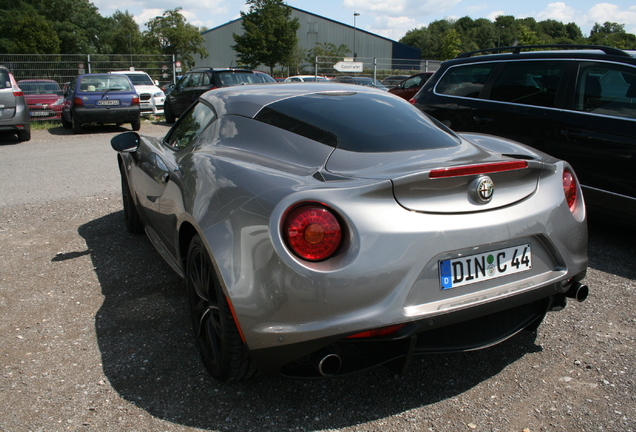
x,y
175,36
269,34
77,23
451,45
36,36
327,49
124,35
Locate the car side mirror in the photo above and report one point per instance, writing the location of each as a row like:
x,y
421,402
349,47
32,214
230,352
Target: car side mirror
x,y
126,142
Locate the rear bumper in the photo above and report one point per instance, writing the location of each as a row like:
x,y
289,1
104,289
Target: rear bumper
x,y
463,330
107,115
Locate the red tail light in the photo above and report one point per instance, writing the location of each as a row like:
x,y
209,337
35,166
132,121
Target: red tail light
x,y
312,232
412,101
135,101
17,91
570,189
384,331
77,101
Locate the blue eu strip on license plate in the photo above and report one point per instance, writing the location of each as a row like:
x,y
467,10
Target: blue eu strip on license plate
x,y
472,269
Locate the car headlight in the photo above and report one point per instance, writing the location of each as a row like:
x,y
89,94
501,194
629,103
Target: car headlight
x,y
159,94
60,101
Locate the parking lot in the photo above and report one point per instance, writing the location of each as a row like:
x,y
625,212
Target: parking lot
x,y
96,336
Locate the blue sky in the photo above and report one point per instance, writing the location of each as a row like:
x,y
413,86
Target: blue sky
x,y
391,18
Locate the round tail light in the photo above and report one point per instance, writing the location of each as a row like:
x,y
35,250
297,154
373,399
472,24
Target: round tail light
x,y
570,189
312,232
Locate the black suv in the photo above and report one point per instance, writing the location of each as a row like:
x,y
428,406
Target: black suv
x,y
574,102
197,81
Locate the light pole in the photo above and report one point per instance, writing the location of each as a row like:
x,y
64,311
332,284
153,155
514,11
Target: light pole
x,y
355,14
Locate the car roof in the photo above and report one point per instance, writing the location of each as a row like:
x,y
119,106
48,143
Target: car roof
x,y
597,52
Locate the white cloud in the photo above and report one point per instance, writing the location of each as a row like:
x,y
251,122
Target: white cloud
x,y
557,11
400,8
393,27
604,12
493,15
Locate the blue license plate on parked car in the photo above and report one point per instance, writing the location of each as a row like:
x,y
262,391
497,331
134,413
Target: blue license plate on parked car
x,y
472,269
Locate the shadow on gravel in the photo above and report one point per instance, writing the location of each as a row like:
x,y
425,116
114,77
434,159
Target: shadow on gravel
x,y
611,248
149,357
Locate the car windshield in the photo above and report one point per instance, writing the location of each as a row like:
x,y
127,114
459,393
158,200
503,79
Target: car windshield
x,y
40,87
102,83
359,122
140,79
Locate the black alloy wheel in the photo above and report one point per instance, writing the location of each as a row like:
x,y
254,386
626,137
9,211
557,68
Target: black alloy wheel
x,y
222,350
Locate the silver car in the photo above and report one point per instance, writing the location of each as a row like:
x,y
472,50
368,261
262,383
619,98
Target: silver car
x,y
323,229
14,112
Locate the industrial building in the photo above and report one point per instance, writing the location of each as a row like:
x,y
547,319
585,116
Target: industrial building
x,y
313,29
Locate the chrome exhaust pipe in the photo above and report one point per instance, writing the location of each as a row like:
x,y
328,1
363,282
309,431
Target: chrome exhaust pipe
x,y
578,291
329,365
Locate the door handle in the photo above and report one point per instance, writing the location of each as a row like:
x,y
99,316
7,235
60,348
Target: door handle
x,y
483,121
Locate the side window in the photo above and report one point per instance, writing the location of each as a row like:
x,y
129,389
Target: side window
x,y
607,89
412,82
190,126
207,79
529,83
466,81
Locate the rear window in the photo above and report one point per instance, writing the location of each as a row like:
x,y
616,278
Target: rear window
x,y
5,82
102,83
358,122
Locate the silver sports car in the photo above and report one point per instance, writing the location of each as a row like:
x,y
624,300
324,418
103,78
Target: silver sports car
x,y
323,230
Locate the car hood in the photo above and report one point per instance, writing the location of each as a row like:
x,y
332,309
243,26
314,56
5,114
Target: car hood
x,y
147,89
415,189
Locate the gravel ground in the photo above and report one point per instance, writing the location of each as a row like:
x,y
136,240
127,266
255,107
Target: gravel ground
x,y
95,334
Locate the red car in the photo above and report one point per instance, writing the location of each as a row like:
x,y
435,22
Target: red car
x,y
44,98
407,88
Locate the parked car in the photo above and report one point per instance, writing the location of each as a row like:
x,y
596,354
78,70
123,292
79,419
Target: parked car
x,y
576,103
151,97
197,81
410,86
14,112
43,97
393,80
363,81
264,77
323,230
100,99
306,78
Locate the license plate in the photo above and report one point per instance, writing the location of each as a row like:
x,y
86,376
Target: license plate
x,y
39,113
108,102
482,267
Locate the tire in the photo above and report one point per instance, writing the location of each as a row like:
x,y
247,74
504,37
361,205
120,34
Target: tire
x,y
136,125
65,123
222,351
77,126
24,135
134,225
167,111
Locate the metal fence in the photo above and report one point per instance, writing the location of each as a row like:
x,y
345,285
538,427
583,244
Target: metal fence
x,y
63,67
378,68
